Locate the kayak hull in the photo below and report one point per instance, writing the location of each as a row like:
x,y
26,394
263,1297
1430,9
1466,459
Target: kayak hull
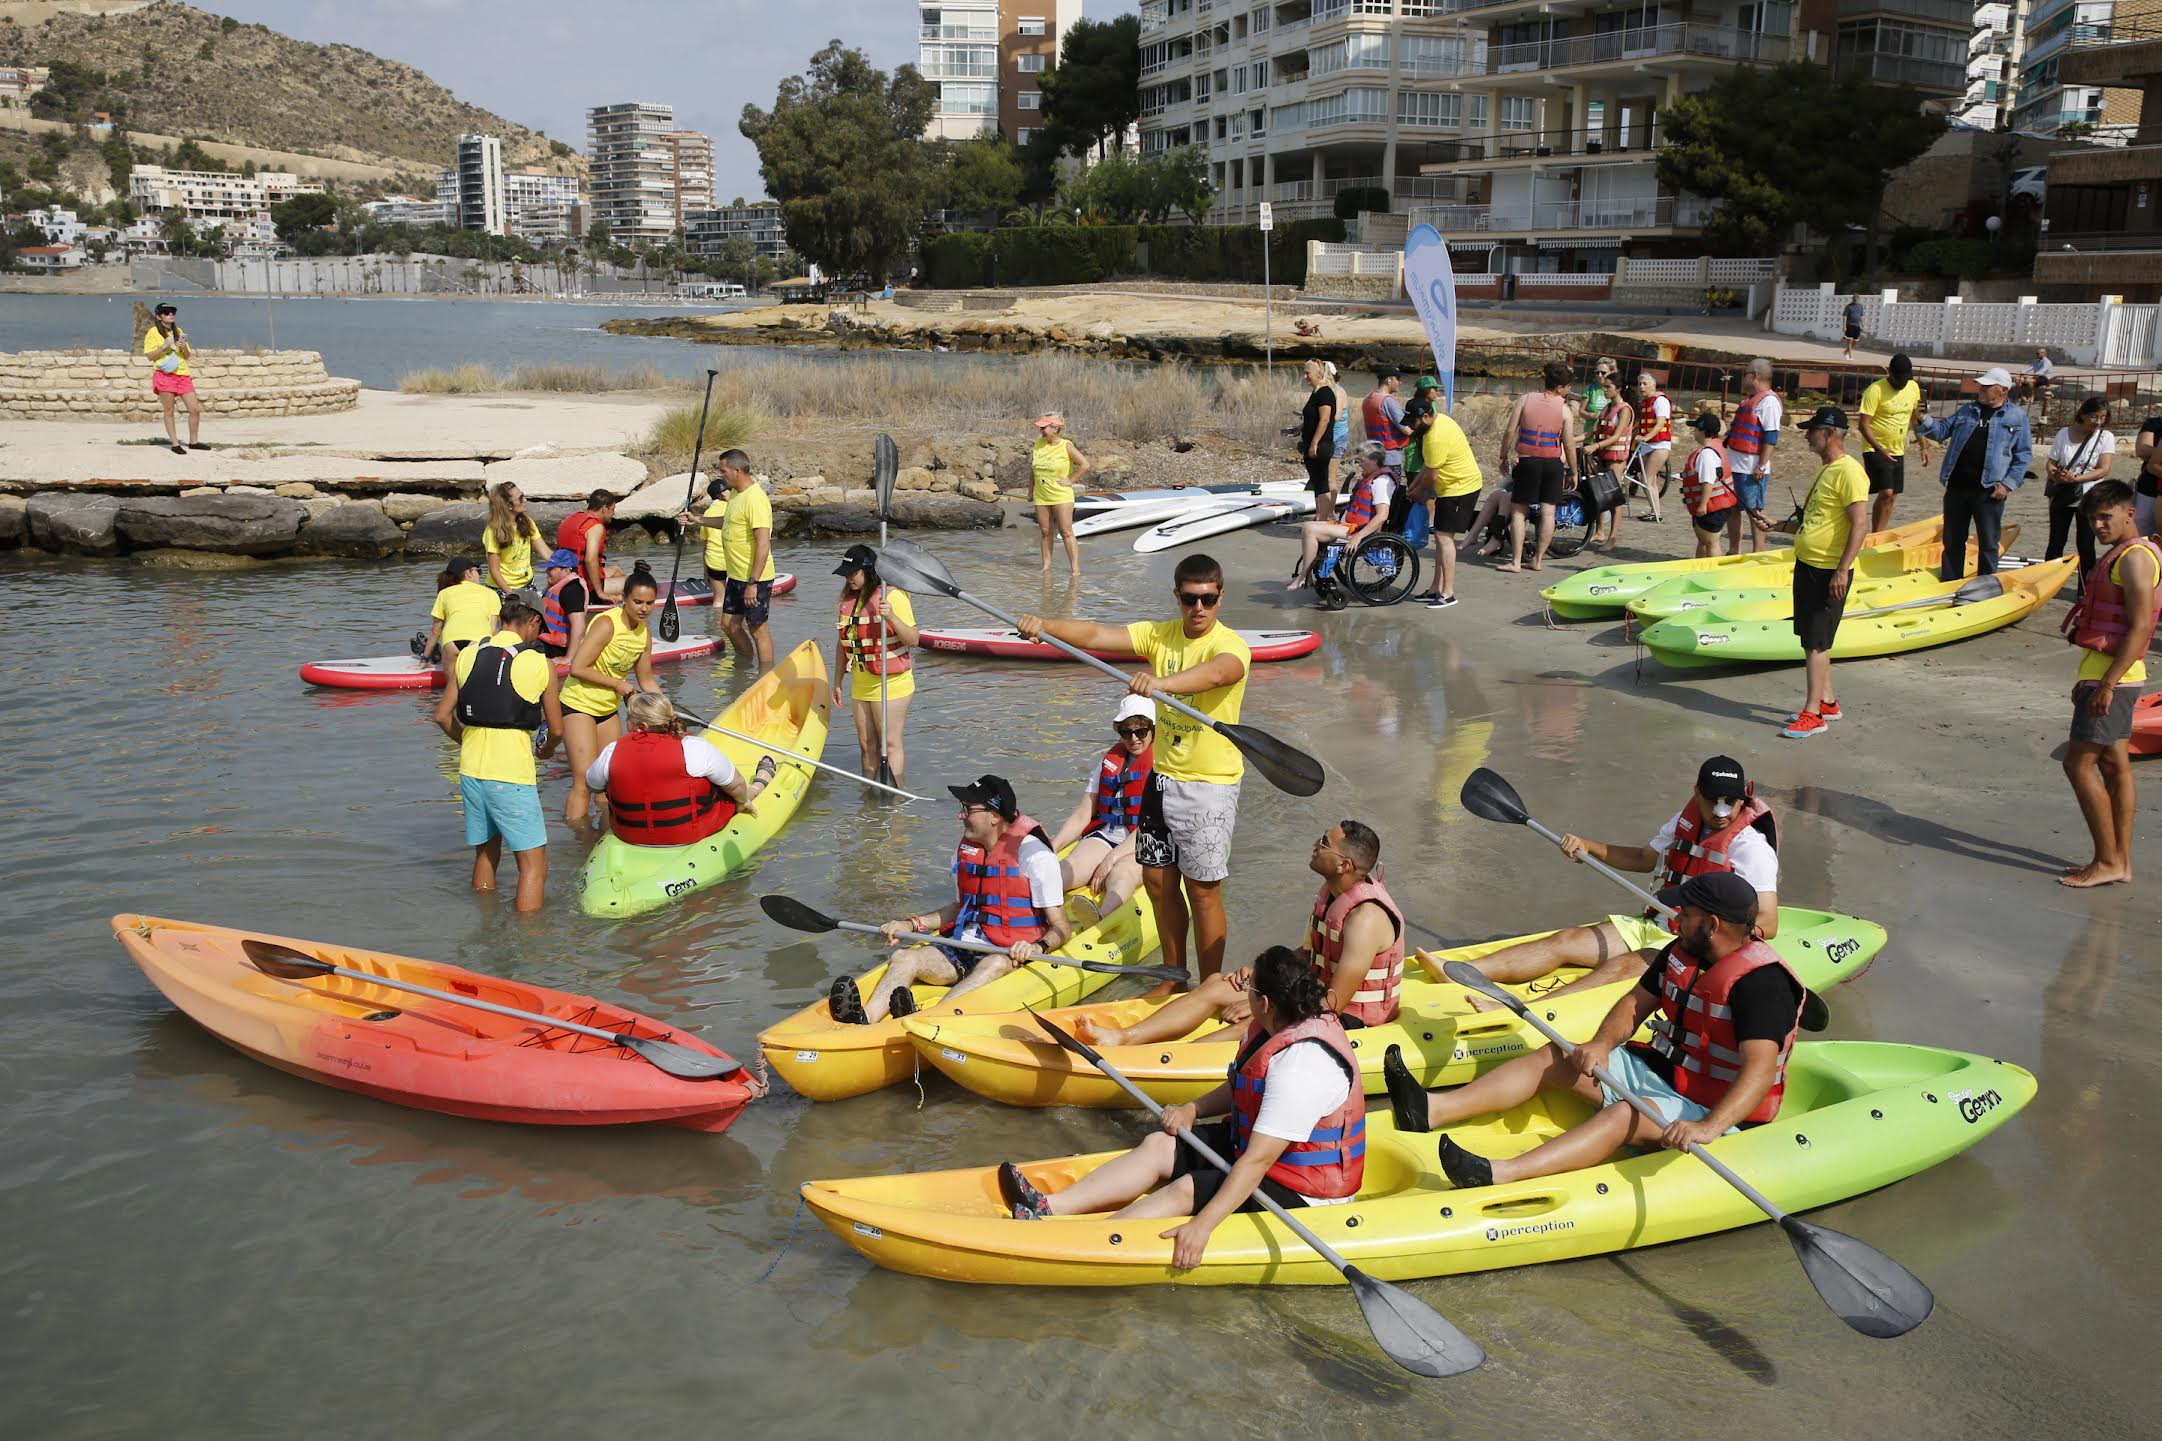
x,y
1008,645
406,672
1606,589
1857,1115
787,709
1873,583
1443,1040
416,1051
2147,725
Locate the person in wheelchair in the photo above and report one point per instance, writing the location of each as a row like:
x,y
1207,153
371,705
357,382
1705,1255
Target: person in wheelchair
x,y
1363,514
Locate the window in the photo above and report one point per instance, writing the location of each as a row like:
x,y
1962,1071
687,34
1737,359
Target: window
x,y
1263,19
1028,100
1429,109
1519,112
1023,134
1028,64
1031,25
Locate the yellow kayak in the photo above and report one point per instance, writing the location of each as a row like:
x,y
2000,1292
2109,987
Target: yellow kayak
x,y
828,1061
1444,1041
1857,1115
1606,589
1874,582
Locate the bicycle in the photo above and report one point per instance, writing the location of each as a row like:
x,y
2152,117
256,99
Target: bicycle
x,y
1635,483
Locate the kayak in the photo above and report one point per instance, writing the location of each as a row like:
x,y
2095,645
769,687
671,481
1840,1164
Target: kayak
x,y
787,709
1154,512
1095,502
1872,587
1444,1041
1856,1115
2147,725
1763,630
697,590
1606,589
1008,645
828,1061
416,1051
1188,527
409,672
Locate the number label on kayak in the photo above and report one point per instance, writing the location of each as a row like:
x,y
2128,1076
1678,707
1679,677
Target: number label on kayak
x,y
952,1055
1974,1105
804,1058
869,1232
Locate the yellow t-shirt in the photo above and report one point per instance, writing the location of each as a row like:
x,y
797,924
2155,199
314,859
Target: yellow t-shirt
x,y
154,341
490,753
516,558
716,544
467,610
1186,750
749,509
615,660
2092,663
1446,451
1887,414
1822,540
1049,463
862,684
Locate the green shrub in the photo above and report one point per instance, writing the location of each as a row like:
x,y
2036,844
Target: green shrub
x,y
1952,259
1076,255
1350,202
676,432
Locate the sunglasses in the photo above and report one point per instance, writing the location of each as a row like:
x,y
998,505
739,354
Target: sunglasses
x,y
1133,732
1206,600
969,810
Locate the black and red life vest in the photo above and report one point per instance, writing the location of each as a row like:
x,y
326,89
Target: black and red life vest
x,y
1700,1037
860,637
1121,782
1331,1162
1375,1002
1696,851
993,889
654,800
2098,619
1374,412
1656,429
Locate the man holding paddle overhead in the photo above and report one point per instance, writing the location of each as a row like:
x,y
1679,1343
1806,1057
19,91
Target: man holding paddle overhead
x,y
1007,890
1192,803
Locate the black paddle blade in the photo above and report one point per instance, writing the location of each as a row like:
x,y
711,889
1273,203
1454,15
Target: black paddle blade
x,y
1815,1014
284,962
885,469
885,773
1982,587
671,623
1490,798
1071,1042
1288,768
681,1062
795,915
1411,1333
1871,1292
909,566
1471,978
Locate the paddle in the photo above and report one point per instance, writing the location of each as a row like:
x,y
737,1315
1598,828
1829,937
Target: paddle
x,y
790,758
288,964
671,623
1868,1289
1490,797
1288,768
1411,1333
886,468
797,916
1981,587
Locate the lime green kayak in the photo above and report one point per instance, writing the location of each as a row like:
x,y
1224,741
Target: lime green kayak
x,y
786,709
1605,590
1883,576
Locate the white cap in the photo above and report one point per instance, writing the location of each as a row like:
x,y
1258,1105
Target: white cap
x,y
1995,375
1136,705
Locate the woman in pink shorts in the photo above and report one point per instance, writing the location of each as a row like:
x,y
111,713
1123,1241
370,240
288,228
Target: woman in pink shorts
x,y
170,380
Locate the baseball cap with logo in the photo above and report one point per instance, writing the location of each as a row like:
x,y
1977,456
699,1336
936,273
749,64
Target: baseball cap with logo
x,y
1720,781
992,791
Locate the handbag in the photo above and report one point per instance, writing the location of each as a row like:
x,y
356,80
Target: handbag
x,y
1602,492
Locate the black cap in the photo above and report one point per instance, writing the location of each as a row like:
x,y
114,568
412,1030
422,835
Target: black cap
x,y
1830,416
992,791
1388,372
1900,368
166,308
1706,422
1720,894
1721,779
855,558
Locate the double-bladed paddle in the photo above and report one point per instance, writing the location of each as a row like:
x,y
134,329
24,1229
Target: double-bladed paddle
x,y
885,470
1288,768
797,916
1869,1290
782,757
1411,1333
288,964
1981,587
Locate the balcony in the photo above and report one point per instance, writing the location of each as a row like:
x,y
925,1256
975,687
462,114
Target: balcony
x,y
1665,212
1688,40
2114,166
1614,143
1944,75
2125,55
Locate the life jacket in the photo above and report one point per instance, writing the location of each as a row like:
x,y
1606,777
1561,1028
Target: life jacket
x,y
571,536
1699,1035
1696,852
1610,431
1657,429
1120,784
859,637
1708,497
486,698
1378,425
555,625
1375,1002
993,892
1541,426
654,801
2099,618
1331,1162
1361,508
1745,436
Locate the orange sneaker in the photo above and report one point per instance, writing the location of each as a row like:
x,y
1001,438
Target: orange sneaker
x,y
1829,711
1803,726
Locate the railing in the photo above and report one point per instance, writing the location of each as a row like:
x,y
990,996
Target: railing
x,y
936,71
1722,42
2092,240
1636,140
1903,70
1472,62
986,33
1403,187
1687,211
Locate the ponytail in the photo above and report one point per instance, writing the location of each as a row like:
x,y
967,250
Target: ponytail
x,y
1289,984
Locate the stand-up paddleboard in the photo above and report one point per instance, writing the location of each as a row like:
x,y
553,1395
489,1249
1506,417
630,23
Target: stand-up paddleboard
x,y
1219,520
699,591
1008,645
1192,501
406,672
1091,502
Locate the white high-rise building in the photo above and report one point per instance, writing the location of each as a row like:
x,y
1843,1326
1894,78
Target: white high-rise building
x,y
479,178
1993,59
634,162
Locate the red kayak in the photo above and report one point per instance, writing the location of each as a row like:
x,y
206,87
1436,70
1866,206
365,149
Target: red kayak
x,y
2147,725
691,591
1008,645
434,1055
409,672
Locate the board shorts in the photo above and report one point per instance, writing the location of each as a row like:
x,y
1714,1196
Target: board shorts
x,y
1319,477
1749,491
502,808
1453,514
1627,1065
1216,1135
1538,480
1886,472
751,599
1714,523
1852,331
162,383
1187,825
1816,613
2103,730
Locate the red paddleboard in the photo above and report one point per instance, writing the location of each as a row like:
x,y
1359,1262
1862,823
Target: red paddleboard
x,y
407,672
1008,645
699,591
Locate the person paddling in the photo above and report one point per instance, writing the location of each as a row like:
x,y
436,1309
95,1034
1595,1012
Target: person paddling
x,y
584,533
877,627
2113,624
465,611
665,788
499,692
1007,891
613,662
1293,1127
1101,828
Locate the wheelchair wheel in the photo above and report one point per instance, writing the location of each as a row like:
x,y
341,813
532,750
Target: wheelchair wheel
x,y
1329,595
1572,527
1385,570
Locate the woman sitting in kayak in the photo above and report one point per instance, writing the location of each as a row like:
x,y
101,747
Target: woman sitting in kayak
x,y
1101,828
465,611
613,662
665,788
1294,1126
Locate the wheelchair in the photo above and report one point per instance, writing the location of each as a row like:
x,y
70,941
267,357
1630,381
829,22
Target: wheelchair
x,y
1385,570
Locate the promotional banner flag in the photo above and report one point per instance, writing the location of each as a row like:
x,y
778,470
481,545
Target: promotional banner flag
x,y
1432,286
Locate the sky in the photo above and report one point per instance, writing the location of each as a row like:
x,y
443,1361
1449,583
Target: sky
x,y
542,63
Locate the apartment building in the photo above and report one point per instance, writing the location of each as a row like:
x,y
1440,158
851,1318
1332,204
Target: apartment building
x,y
1994,52
214,195
986,58
19,82
2104,219
693,172
705,231
2049,99
634,164
480,193
407,209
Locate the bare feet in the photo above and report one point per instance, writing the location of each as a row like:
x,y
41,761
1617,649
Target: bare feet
x,y
1511,566
1091,1034
2094,873
1295,582
1479,1003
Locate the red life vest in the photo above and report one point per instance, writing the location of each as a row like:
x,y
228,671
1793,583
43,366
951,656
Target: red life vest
x,y
1541,426
1378,425
1704,497
571,536
555,625
1611,430
1745,436
1699,1037
1657,429
1696,852
1375,1002
1360,510
654,801
993,891
1120,784
2099,618
1331,1162
859,637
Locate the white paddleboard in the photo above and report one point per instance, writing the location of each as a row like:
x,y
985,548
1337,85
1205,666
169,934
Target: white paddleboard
x,y
1090,502
1130,517
1220,520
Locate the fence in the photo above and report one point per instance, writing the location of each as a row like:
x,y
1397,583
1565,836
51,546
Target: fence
x,y
2107,332
1353,271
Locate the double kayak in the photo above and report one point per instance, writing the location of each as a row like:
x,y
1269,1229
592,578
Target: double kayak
x,y
433,1055
409,672
1871,586
1193,525
693,591
1762,630
1444,1041
829,1061
786,710
1606,589
1856,1115
1008,644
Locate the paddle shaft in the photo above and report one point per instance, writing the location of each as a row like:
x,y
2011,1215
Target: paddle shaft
x,y
690,490
477,1004
790,758
885,713
985,947
1609,872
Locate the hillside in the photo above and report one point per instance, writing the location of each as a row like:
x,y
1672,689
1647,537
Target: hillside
x,y
253,86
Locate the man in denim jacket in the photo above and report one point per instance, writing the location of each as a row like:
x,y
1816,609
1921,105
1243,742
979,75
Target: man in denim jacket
x,y
1986,449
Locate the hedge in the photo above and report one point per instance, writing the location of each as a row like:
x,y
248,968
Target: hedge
x,y
1357,198
1076,255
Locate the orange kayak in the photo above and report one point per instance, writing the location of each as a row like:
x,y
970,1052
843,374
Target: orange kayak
x,y
2147,725
431,1054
